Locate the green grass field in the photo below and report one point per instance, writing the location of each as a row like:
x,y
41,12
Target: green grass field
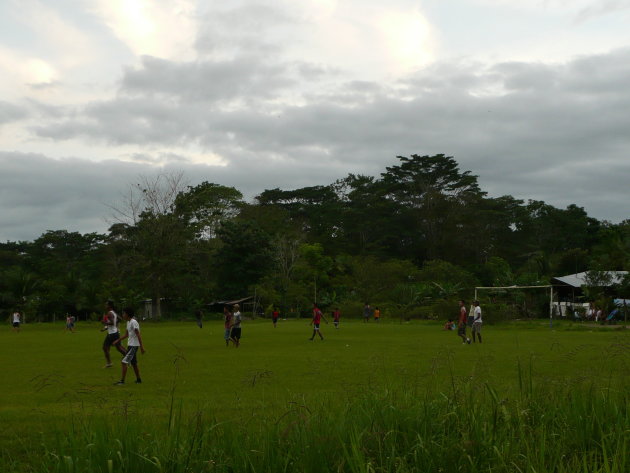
x,y
57,398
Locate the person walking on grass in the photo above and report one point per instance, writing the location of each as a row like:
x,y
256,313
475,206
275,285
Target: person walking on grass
x,y
477,322
17,320
461,324
227,324
377,314
274,316
133,344
70,323
199,318
317,318
336,316
235,334
110,320
367,312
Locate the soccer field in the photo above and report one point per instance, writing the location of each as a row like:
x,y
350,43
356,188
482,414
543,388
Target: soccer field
x,y
52,377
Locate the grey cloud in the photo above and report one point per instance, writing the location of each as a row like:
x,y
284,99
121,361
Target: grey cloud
x,y
242,28
10,113
600,8
44,85
38,193
245,78
527,129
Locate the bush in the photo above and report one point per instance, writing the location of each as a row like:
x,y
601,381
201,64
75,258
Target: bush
x,y
349,309
493,313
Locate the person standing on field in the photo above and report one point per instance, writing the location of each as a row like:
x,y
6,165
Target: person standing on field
x,y
110,320
461,324
227,324
134,343
476,328
274,316
336,316
367,313
17,320
317,318
377,314
70,323
235,334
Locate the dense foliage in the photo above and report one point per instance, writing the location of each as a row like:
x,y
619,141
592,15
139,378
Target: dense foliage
x,y
420,233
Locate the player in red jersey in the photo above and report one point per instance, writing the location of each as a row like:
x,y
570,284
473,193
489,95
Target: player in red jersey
x,y
336,316
317,317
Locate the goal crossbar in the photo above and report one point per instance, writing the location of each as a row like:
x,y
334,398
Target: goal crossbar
x,y
548,286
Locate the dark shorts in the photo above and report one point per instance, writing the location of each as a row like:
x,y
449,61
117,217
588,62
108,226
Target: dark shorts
x,y
110,338
274,319
469,320
16,324
461,330
315,326
130,357
236,332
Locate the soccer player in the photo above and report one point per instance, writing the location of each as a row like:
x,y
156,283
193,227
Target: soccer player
x,y
336,316
367,312
134,342
461,326
476,328
236,326
227,325
377,314
317,317
274,316
69,323
17,320
110,319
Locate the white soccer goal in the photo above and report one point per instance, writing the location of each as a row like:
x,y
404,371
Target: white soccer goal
x,y
524,287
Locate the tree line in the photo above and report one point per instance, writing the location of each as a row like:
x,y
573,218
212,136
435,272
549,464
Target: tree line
x,y
421,234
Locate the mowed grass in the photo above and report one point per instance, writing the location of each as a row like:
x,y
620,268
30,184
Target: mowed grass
x,y
53,379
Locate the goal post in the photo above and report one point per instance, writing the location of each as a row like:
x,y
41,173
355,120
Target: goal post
x,y
550,287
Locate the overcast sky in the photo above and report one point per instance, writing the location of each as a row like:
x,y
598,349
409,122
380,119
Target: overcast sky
x,y
533,96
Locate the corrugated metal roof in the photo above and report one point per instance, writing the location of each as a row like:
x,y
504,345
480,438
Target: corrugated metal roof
x,y
580,279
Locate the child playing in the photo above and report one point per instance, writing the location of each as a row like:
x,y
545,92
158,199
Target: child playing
x,y
317,317
461,325
477,323
227,324
69,323
135,342
336,316
110,321
17,319
235,334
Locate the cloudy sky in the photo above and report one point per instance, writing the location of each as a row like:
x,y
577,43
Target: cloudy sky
x,y
531,95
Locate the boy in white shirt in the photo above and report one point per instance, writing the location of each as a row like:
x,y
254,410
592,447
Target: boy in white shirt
x,y
17,320
235,333
476,328
135,342
110,321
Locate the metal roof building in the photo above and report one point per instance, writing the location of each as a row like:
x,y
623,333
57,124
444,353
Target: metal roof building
x,y
581,279
569,288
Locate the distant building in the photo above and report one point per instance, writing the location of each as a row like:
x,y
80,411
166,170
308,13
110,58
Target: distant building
x,y
570,288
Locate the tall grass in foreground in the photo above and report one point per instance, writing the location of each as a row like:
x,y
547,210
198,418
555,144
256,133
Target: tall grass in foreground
x,y
559,427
